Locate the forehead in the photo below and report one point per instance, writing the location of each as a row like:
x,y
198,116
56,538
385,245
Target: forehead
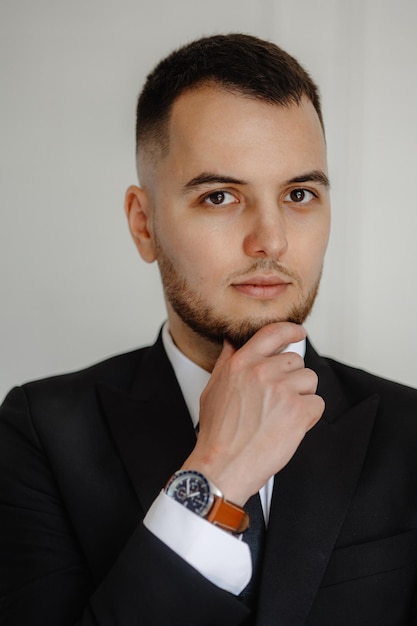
x,y
210,118
211,129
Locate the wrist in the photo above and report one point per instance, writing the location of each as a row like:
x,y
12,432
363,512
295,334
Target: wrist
x,y
194,490
224,478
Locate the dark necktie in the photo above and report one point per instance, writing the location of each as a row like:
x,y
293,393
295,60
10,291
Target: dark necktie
x,y
255,538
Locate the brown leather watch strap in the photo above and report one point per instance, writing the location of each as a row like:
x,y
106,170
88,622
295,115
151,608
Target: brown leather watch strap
x,y
228,516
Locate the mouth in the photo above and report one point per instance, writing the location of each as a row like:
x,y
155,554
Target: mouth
x,y
262,287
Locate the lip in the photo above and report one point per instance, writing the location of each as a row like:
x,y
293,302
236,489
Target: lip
x,y
263,287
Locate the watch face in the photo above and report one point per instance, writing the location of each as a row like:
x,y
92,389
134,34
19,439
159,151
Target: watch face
x,y
191,489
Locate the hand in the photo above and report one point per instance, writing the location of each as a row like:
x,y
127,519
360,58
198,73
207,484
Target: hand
x,y
254,412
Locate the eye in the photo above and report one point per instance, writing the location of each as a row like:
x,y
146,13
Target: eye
x,y
219,198
300,196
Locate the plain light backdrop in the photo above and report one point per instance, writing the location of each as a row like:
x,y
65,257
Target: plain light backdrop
x,y
73,289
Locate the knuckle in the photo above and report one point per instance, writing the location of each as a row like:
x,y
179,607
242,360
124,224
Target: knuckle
x,y
321,405
317,406
292,360
312,379
240,358
236,364
258,371
291,403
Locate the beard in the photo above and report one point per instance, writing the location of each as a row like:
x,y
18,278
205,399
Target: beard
x,y
215,327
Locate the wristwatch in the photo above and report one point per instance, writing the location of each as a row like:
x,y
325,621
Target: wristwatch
x,y
193,490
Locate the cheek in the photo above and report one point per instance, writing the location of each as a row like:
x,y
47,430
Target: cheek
x,y
310,255
194,257
193,240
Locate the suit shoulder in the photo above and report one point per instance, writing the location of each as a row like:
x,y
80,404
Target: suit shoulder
x,y
117,370
63,392
358,384
70,397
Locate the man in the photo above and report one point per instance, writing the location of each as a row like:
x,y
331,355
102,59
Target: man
x,y
125,496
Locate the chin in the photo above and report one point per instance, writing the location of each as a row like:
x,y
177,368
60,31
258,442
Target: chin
x,y
240,334
237,332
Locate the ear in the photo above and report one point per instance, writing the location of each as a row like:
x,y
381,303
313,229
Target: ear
x,y
139,216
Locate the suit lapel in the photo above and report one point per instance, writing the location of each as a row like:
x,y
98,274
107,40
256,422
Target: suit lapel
x,y
151,425
310,500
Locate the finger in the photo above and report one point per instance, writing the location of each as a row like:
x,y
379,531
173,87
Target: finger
x,y
316,410
305,411
289,361
303,381
227,351
273,338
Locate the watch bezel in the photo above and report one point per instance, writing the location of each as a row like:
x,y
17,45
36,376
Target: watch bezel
x,y
177,482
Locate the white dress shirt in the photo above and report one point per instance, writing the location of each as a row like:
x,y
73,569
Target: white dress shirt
x,y
219,556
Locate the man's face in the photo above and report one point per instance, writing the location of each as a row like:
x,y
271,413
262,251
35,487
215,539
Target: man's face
x,y
238,214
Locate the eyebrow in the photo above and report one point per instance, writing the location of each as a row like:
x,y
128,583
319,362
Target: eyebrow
x,y
207,178
316,176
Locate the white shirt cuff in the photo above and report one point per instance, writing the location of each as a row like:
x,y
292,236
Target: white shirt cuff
x,y
219,556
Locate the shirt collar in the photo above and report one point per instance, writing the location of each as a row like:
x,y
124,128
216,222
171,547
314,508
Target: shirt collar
x,y
192,378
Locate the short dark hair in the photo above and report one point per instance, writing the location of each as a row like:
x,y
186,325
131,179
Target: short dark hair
x,y
236,62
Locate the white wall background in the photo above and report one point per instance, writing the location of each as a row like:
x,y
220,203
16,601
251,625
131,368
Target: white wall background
x,y
72,288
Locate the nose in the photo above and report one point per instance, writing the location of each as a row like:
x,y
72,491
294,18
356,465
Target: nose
x,y
266,235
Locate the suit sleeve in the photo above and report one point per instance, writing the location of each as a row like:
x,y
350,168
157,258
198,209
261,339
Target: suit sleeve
x,y
45,579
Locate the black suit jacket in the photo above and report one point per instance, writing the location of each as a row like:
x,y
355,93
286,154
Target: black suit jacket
x,y
82,457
